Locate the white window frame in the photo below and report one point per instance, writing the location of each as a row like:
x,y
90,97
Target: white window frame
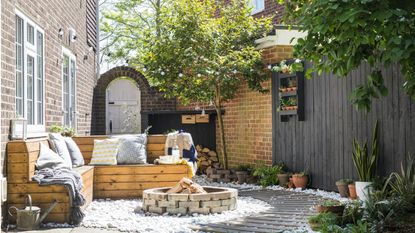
x,y
33,130
72,57
255,8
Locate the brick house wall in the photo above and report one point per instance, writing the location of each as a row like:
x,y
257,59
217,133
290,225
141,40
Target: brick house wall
x,y
49,15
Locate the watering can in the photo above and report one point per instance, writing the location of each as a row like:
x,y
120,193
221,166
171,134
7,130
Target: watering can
x,y
29,218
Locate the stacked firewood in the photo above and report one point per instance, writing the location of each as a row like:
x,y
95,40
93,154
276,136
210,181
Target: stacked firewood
x,y
207,159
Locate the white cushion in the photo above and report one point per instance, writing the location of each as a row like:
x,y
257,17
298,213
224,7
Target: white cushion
x,y
75,152
49,159
105,152
58,144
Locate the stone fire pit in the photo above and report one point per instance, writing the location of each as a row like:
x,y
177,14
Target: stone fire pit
x,y
216,200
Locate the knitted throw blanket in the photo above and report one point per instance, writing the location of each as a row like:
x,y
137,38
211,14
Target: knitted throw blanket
x,y
72,181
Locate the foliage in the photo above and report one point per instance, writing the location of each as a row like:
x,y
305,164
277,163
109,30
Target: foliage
x,y
64,131
267,175
403,184
122,24
341,35
292,67
359,227
323,218
353,212
365,164
331,203
380,211
203,51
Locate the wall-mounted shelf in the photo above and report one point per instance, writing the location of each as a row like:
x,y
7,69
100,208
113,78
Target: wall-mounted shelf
x,y
288,89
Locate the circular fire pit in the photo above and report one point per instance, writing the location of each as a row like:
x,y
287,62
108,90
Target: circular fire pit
x,y
216,200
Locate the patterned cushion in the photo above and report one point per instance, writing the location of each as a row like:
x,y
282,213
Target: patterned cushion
x,y
58,145
105,152
132,149
75,152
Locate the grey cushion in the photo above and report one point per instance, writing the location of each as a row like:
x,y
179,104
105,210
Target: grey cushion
x,y
132,149
49,159
74,152
58,145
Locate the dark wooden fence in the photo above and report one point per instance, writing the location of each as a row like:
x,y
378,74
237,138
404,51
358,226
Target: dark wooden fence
x,y
322,143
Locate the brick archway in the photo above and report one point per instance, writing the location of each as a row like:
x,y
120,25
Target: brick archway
x,y
151,99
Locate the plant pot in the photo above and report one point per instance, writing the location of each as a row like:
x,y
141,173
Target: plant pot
x,y
241,175
300,181
363,189
336,209
315,226
352,191
343,189
283,179
251,179
291,184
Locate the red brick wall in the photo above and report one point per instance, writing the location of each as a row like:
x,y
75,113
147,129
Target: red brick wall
x,y
50,16
248,118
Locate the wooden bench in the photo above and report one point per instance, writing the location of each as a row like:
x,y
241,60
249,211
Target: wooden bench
x,y
116,182
21,160
129,181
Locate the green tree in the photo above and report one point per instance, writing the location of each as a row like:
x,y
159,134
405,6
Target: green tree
x,y
203,52
123,23
343,34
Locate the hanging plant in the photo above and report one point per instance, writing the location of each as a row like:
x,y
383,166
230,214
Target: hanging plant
x,y
283,67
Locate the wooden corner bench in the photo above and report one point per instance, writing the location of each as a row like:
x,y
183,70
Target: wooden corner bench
x,y
115,181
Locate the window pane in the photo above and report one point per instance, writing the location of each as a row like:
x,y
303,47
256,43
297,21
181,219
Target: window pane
x,y
30,34
65,83
39,86
72,94
30,89
19,67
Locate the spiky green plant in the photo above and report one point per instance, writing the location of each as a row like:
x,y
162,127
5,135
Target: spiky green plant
x,y
366,164
403,184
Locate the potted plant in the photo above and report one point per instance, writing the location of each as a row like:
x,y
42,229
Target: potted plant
x,y
267,175
352,191
315,222
242,173
283,179
342,186
300,180
334,207
365,164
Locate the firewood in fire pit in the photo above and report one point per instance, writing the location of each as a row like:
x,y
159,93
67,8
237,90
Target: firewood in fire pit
x,y
186,186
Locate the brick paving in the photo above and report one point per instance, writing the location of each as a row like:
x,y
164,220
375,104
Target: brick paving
x,y
289,212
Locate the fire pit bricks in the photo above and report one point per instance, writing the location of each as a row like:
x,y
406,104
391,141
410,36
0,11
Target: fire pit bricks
x,y
216,200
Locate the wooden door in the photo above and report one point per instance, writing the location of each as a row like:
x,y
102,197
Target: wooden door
x,y
123,107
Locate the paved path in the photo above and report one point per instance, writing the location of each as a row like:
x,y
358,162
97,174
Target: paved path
x,y
289,212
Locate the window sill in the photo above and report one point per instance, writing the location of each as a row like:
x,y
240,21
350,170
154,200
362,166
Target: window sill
x,y
31,135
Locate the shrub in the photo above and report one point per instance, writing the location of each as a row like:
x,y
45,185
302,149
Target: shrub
x,y
267,175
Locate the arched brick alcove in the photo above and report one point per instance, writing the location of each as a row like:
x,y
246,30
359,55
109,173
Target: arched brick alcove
x,y
151,99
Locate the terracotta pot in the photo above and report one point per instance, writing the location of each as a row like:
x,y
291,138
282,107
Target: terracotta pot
x,y
283,179
352,191
293,88
300,181
337,209
343,189
241,175
291,184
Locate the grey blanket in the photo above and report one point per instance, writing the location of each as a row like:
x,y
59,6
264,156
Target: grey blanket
x,y
72,181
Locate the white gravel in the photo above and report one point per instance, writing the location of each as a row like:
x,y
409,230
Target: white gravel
x,y
120,215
